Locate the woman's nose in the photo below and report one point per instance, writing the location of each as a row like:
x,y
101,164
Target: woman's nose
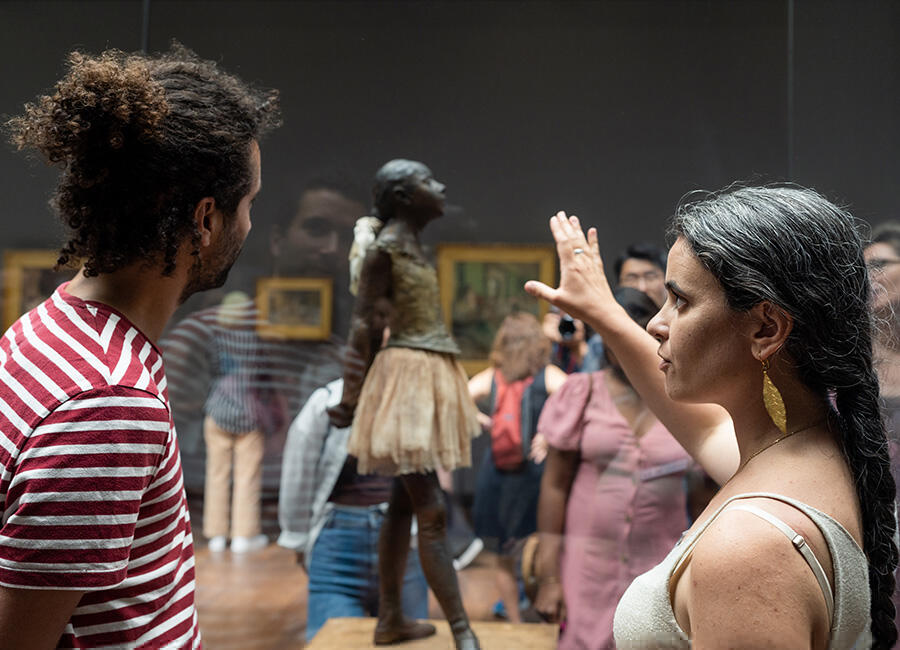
x,y
657,327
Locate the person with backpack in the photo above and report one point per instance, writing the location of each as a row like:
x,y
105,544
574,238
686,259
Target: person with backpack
x,y
516,385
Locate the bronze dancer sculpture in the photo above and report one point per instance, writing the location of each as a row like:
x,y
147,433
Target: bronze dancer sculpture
x,y
407,400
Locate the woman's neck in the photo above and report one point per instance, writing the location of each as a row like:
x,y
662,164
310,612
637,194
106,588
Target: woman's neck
x,y
755,429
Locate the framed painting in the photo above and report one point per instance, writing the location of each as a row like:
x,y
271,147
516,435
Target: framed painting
x,y
28,280
481,284
294,308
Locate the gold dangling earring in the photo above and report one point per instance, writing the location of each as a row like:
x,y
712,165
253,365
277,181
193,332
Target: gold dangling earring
x,y
772,400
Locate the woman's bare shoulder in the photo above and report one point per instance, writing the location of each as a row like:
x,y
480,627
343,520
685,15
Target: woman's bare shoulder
x,y
750,586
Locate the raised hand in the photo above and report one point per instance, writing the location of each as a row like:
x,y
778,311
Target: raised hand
x,y
583,291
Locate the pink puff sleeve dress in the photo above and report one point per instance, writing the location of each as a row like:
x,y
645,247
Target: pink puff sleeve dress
x,y
626,508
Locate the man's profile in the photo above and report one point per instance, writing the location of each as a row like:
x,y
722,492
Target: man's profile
x,y
160,165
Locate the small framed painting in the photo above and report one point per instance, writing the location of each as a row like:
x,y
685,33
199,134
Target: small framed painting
x,y
481,284
29,278
294,308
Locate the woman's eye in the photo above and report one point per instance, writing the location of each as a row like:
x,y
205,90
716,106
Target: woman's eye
x,y
676,300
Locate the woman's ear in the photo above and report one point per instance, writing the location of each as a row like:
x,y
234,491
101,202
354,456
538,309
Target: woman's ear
x,y
769,328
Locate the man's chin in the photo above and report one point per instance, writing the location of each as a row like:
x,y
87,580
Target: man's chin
x,y
200,285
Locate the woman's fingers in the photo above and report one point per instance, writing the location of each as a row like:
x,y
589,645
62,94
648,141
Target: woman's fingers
x,y
583,290
541,290
593,242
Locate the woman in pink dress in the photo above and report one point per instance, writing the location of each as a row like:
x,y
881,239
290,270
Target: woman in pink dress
x,y
612,498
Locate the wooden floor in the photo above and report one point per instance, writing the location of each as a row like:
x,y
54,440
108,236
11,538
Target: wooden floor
x,y
357,633
257,601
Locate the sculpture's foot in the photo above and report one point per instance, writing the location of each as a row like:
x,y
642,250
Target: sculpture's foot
x,y
406,630
466,640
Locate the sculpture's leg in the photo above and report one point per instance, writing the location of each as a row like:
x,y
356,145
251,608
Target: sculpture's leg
x,y
393,546
428,503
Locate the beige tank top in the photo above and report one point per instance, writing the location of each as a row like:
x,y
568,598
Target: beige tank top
x,y
645,619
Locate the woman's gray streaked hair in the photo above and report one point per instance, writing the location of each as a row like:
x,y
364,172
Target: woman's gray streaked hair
x,y
792,247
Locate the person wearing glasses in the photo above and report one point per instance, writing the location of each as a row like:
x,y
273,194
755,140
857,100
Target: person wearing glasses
x,y
883,260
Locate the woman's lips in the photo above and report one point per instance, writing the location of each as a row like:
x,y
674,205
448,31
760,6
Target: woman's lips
x,y
664,364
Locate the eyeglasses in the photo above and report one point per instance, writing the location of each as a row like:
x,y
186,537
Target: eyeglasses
x,y
630,279
879,264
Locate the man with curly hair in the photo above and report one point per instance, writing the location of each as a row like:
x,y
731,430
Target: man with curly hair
x,y
160,165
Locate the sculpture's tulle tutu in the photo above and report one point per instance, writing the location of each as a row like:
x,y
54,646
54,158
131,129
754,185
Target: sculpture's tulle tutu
x,y
414,414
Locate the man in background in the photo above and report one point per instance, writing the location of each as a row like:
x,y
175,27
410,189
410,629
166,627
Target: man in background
x,y
641,266
242,386
882,257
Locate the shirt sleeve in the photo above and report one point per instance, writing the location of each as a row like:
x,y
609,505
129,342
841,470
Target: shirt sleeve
x,y
302,451
561,420
75,490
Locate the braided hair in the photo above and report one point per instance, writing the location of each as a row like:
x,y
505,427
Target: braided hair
x,y
792,247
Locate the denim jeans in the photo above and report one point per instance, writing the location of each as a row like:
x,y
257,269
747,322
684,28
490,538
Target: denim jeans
x,y
343,570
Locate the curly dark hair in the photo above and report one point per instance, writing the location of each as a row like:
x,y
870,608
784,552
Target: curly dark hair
x,y
794,248
141,140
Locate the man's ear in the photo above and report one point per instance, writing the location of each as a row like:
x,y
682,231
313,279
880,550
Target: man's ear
x,y
204,214
769,328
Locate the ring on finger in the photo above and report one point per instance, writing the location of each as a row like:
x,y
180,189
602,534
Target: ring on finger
x,y
578,251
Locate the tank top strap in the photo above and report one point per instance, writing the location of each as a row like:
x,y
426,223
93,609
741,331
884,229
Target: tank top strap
x,y
797,540
800,544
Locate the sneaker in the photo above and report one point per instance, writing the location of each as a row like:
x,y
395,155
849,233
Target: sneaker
x,y
467,554
245,544
217,544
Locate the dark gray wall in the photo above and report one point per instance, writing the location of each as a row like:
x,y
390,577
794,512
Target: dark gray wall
x,y
611,110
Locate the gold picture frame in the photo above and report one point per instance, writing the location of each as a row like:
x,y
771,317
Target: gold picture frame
x,y
294,308
29,278
481,284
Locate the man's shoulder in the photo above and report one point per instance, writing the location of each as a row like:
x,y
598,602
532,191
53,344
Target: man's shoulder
x,y
47,360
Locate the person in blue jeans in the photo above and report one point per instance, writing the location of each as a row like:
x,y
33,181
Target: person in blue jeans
x,y
331,516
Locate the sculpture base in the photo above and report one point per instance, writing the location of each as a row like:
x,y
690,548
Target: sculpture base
x,y
357,633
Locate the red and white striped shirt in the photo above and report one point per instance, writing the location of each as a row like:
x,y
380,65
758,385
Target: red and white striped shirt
x,y
91,486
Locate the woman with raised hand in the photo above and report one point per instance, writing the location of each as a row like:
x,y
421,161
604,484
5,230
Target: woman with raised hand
x,y
762,368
